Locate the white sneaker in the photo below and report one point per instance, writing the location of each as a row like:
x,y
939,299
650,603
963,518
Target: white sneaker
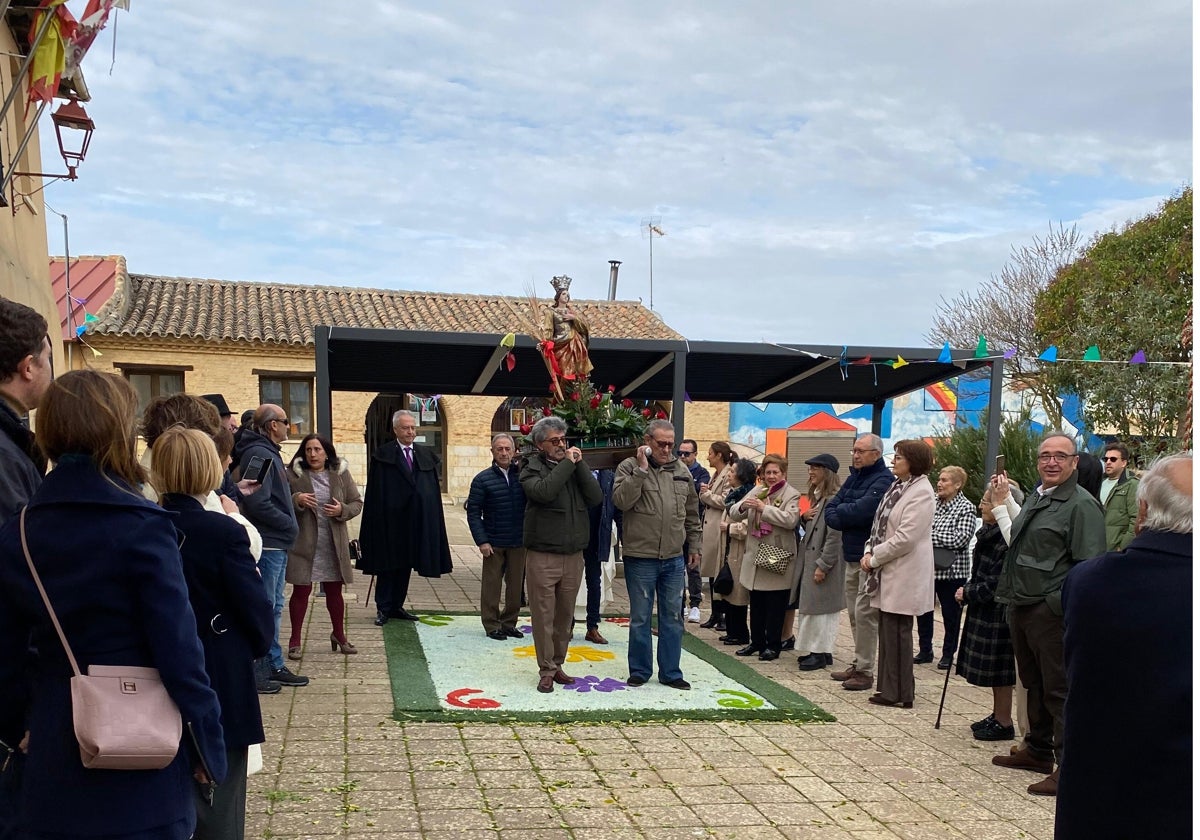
x,y
694,615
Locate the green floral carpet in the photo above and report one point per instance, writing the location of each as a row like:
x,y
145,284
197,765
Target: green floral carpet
x,y
444,668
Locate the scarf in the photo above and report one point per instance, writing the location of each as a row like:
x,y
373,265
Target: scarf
x,y
758,528
736,495
890,498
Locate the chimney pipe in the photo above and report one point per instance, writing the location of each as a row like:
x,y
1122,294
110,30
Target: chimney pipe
x,y
614,266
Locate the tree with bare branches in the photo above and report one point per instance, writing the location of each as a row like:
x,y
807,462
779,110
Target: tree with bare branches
x,y
1002,308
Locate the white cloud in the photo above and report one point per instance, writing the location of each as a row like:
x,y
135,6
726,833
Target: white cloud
x,y
824,172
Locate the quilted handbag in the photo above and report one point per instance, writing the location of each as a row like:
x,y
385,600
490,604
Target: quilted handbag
x,y
772,558
124,719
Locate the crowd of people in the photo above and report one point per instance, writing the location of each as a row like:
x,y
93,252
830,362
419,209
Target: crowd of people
x,y
188,550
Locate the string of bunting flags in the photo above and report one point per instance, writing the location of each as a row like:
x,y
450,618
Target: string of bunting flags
x,y
1050,355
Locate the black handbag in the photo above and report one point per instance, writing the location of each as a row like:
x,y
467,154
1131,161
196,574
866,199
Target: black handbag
x,y
723,583
943,558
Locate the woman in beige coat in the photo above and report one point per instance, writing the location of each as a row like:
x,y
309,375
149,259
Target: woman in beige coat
x,y
712,506
899,562
743,475
325,497
772,513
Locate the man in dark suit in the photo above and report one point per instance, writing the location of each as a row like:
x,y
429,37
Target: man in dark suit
x,y
403,526
1127,643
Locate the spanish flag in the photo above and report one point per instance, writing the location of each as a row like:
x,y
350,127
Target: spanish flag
x,y
49,56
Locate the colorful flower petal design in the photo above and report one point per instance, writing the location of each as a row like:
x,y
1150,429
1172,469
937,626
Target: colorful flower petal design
x,y
738,700
593,683
436,620
456,698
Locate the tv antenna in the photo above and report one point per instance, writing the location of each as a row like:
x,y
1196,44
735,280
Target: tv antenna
x,y
651,227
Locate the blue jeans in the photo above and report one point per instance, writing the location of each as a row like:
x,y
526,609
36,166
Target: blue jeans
x,y
645,578
273,565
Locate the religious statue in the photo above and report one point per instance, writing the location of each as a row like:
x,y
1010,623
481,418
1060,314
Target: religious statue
x,y
565,339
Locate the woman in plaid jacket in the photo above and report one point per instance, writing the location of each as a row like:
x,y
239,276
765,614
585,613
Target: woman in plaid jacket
x,y
953,525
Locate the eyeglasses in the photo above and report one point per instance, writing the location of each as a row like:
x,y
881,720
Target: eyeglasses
x,y
1112,460
1056,457
685,453
555,441
282,420
857,451
662,444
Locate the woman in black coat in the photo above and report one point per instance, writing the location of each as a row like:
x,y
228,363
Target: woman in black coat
x,y
109,561
985,656
234,616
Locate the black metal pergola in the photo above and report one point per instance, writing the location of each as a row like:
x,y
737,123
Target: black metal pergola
x,y
429,362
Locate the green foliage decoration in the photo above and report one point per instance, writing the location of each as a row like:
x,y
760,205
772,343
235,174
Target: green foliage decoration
x,y
1130,290
965,446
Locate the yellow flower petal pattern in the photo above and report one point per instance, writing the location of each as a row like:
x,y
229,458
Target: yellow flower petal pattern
x,y
574,654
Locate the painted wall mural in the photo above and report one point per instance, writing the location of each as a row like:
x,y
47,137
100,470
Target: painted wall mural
x,y
928,413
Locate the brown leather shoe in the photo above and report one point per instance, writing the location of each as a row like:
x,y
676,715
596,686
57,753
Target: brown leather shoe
x,y
546,685
562,679
1046,787
593,636
842,676
858,681
1022,759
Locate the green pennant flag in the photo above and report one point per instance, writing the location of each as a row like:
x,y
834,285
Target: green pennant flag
x,y
1092,354
981,350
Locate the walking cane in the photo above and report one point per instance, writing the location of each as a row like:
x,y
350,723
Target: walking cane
x,y
938,723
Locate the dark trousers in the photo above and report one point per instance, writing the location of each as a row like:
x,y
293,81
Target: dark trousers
x,y
895,657
735,622
766,617
391,589
1037,639
591,579
226,817
951,618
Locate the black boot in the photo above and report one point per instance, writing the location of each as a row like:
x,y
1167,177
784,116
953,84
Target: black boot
x,y
716,618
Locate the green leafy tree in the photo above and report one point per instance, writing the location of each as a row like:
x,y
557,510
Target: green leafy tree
x,y
1130,290
966,447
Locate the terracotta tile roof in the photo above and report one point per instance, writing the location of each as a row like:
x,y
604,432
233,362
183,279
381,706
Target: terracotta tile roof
x,y
220,310
93,281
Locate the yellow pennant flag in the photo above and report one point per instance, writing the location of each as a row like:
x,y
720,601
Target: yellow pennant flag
x,y
899,363
50,57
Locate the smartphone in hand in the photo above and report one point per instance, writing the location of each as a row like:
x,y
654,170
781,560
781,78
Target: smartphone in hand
x,y
999,465
256,469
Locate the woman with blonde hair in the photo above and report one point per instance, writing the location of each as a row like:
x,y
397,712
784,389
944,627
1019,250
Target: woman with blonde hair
x,y
234,616
712,505
772,513
110,565
819,599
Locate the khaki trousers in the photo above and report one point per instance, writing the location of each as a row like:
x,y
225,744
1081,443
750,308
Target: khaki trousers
x,y
552,581
864,619
505,567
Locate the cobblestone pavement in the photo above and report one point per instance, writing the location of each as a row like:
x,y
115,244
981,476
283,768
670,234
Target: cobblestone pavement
x,y
336,764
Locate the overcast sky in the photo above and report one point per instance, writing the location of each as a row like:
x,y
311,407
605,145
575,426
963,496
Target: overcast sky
x,y
823,171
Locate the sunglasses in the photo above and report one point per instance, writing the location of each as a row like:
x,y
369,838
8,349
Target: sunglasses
x,y
1112,460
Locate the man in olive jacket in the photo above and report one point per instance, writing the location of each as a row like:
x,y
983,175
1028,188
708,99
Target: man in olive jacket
x,y
559,488
1118,494
656,493
1061,524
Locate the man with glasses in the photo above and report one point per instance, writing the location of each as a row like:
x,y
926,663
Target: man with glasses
x,y
1060,525
1118,494
270,510
661,510
851,512
26,370
687,454
559,489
